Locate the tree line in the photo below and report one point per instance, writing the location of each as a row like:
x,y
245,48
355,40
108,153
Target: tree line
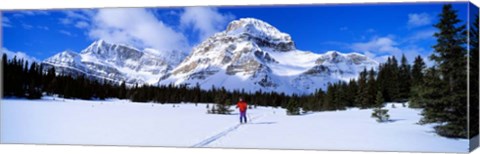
x,y
33,81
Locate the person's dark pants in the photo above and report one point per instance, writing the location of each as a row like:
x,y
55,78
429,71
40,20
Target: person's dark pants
x,y
243,116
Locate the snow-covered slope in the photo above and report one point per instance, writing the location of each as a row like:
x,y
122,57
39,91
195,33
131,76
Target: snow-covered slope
x,y
120,122
116,62
253,55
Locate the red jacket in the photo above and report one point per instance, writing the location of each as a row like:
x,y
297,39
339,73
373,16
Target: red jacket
x,y
242,105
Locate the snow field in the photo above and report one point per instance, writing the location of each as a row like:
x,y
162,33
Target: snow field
x,y
120,122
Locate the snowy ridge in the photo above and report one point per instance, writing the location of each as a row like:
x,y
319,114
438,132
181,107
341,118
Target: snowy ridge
x,y
116,62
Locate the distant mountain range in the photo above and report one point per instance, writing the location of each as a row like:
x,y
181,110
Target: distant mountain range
x,y
250,54
116,62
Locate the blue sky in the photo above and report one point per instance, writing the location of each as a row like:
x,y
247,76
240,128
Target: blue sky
x,y
377,30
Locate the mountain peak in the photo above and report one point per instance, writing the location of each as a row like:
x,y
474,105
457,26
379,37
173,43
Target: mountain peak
x,y
66,53
333,53
95,46
245,22
69,52
351,58
104,48
255,27
261,32
99,43
66,57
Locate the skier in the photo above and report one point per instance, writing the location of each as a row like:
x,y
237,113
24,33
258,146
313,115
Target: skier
x,y
242,106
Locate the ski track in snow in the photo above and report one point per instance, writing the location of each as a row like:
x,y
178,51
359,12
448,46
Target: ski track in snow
x,y
215,137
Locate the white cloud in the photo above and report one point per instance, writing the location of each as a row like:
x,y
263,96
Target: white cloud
x,y
142,28
418,19
205,20
137,27
82,24
27,26
30,13
76,15
380,44
378,58
80,19
371,30
65,21
18,54
6,22
172,13
64,32
380,48
422,35
35,12
24,13
335,43
43,27
18,15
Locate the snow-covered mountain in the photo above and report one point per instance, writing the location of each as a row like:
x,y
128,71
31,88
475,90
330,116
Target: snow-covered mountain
x,y
250,54
116,62
253,55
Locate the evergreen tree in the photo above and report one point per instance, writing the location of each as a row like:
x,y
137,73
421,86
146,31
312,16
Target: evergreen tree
x,y
362,93
351,93
382,80
371,88
341,97
6,77
417,83
293,107
417,71
449,109
49,84
388,79
379,100
318,99
404,77
378,113
122,90
222,102
474,77
393,88
33,90
330,98
18,77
